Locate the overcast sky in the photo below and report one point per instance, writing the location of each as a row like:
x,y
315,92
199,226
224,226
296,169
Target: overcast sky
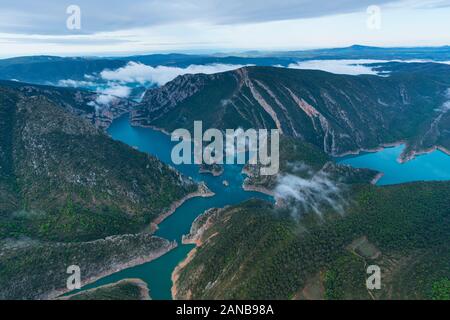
x,y
144,26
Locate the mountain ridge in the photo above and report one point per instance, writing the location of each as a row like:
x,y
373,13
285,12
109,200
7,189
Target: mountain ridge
x,y
340,113
80,102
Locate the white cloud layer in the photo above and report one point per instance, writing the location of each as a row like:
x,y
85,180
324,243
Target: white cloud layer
x,y
109,94
351,67
75,83
446,105
310,195
135,72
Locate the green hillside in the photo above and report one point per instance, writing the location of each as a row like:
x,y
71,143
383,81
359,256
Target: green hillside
x,y
254,251
65,183
128,289
328,226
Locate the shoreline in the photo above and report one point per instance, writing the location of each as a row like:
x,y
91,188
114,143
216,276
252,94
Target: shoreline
x,y
377,178
177,271
194,237
133,123
371,150
252,188
211,172
414,154
403,158
203,192
55,294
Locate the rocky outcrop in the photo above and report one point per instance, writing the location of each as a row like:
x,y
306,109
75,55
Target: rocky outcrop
x,y
161,100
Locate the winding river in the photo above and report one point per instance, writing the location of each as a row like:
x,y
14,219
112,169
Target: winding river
x,y
157,273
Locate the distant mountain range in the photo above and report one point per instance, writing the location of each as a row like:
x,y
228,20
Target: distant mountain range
x,y
51,69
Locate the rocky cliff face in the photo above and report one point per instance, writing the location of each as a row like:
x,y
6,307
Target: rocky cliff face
x,y
168,97
339,113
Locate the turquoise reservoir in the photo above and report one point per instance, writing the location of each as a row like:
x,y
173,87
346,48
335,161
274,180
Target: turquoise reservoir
x,y
157,273
433,166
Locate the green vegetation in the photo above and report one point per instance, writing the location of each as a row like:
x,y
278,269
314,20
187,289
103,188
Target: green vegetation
x,y
259,252
339,285
130,289
304,160
64,185
441,289
67,181
36,270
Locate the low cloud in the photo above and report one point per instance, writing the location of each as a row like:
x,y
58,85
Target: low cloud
x,y
310,195
113,84
140,73
111,93
75,83
446,105
351,67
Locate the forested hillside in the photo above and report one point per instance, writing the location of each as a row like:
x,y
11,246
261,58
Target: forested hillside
x,y
65,183
255,251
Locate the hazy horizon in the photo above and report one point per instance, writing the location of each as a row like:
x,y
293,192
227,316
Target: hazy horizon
x,y
211,52
112,28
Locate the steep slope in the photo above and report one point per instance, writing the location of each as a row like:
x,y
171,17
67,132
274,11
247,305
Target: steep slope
x,y
32,269
69,194
79,102
55,162
338,113
128,289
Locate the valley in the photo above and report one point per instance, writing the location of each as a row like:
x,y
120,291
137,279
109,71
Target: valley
x,y
121,209
158,273
70,195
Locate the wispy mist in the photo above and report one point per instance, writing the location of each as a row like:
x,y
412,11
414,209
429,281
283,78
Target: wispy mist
x,y
310,195
351,67
446,105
